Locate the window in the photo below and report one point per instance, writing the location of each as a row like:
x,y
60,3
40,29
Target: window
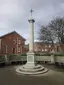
x,y
45,49
49,46
13,50
42,50
35,49
18,49
19,41
14,41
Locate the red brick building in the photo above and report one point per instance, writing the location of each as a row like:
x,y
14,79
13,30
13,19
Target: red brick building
x,y
48,47
12,43
42,47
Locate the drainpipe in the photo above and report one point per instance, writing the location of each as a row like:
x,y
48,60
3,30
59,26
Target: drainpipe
x,y
17,45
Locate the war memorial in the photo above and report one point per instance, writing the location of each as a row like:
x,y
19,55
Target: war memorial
x,y
31,66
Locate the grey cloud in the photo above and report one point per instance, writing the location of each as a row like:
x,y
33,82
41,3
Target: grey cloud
x,y
14,14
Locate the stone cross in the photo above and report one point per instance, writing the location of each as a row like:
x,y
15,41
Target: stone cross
x,y
31,11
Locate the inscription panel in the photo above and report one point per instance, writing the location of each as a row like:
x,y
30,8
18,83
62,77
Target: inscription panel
x,y
30,58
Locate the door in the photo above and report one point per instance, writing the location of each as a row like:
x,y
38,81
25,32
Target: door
x,y
13,51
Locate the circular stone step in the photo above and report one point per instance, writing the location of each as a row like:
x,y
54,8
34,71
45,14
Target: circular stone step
x,y
31,70
39,70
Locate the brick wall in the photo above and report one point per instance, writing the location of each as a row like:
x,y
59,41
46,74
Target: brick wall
x,y
12,43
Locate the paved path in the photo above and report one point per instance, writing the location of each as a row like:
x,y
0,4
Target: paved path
x,y
8,76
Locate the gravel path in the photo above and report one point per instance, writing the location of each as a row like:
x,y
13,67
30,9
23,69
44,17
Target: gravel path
x,y
8,76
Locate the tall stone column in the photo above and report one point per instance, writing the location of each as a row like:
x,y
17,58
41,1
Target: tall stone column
x,y
30,54
31,35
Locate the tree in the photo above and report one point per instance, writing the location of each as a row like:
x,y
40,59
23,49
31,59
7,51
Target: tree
x,y
53,32
57,25
45,35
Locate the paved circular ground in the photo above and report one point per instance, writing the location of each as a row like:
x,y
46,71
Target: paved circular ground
x,y
8,76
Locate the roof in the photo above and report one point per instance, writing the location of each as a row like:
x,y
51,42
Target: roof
x,y
42,43
12,33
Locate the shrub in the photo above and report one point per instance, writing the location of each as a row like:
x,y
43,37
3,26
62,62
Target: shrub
x,y
14,57
23,54
42,54
2,58
59,54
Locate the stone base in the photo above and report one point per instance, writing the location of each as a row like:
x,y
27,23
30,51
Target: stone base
x,y
31,68
36,70
30,57
30,65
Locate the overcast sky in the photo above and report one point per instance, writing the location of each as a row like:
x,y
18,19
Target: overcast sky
x,y
14,14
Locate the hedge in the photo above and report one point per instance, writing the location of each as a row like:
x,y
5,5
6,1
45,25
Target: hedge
x,y
49,54
2,59
42,54
59,54
14,57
